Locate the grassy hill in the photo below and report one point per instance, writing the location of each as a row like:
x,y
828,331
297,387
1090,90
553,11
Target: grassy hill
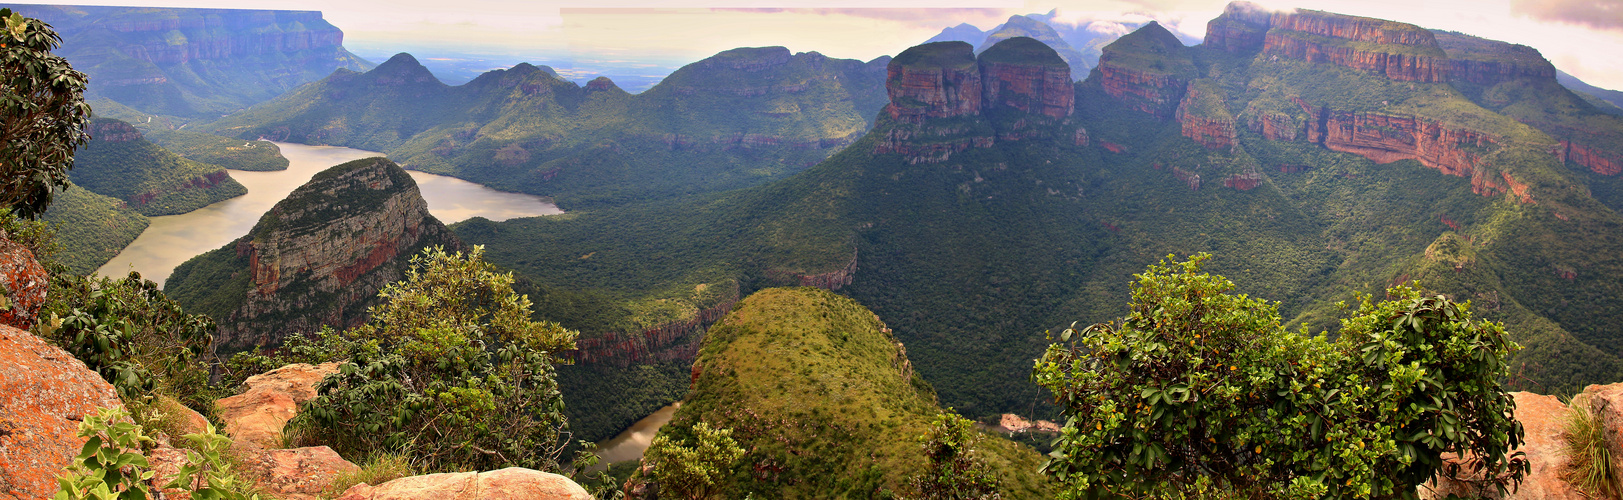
x,y
824,399
124,165
91,228
740,118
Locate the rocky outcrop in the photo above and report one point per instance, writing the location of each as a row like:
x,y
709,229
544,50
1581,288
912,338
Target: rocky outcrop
x,y
1240,29
1600,162
669,341
272,398
1490,62
320,256
1208,123
1400,51
1027,75
1386,138
44,394
23,284
507,484
1543,419
600,84
934,80
1147,70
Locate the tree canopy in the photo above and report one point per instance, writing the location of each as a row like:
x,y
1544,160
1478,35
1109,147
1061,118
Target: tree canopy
x,y
43,114
1200,390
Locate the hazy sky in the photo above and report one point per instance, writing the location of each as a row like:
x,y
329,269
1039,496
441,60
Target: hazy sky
x,y
1582,37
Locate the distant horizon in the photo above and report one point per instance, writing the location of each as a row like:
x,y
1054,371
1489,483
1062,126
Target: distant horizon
x,y
645,40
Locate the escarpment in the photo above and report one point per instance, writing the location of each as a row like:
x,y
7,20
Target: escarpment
x,y
317,258
1399,51
1385,138
1205,118
944,100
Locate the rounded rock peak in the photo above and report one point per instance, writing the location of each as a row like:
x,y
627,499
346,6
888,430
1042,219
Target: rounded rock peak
x,y
952,54
1024,51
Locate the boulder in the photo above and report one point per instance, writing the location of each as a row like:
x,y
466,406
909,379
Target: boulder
x,y
23,283
296,474
507,484
1543,419
257,415
44,394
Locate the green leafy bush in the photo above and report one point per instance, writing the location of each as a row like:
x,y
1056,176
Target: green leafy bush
x,y
450,370
1199,387
693,470
113,464
956,471
43,115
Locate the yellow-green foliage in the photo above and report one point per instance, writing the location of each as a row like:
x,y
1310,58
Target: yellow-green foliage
x,y
817,389
378,469
1589,458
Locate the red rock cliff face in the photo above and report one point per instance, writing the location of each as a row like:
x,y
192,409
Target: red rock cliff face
x,y
1387,138
206,34
1239,29
940,92
1147,92
1033,89
312,262
1397,66
1212,132
1598,161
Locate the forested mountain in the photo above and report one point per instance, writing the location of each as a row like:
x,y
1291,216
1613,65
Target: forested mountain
x,y
120,162
194,62
739,118
1316,155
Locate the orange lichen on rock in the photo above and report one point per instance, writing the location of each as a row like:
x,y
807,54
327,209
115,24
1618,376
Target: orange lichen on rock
x,y
44,394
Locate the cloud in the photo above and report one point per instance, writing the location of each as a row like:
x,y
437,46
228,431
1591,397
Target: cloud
x,y
1602,14
934,18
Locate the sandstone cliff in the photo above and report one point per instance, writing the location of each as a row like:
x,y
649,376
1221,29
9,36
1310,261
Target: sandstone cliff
x,y
1204,117
1147,69
1387,138
317,258
944,100
1399,51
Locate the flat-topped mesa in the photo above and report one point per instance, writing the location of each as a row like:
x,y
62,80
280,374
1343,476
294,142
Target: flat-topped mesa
x,y
1204,117
934,80
1490,62
1147,69
1025,74
317,258
1241,28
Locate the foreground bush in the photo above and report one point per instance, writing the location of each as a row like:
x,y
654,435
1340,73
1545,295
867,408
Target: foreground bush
x,y
1200,390
450,371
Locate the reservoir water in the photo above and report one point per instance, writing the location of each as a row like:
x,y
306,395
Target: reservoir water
x,y
631,443
173,239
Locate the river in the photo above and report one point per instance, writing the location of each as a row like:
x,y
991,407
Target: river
x,y
631,443
174,239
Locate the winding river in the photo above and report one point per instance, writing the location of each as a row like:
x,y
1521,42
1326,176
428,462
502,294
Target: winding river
x,y
173,239
631,443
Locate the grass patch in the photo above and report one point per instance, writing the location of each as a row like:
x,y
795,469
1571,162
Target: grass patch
x,y
1589,467
378,469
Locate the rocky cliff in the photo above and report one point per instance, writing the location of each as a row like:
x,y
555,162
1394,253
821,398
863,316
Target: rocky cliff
x,y
1204,117
317,258
1384,138
1400,51
1022,26
195,62
944,100
1147,69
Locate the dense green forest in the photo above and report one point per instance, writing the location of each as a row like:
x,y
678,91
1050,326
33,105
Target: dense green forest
x,y
91,228
147,177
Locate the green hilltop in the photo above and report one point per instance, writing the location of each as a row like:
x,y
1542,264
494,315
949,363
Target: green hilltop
x,y
740,118
824,399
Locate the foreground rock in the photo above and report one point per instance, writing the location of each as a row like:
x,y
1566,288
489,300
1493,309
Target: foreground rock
x,y
258,415
1543,419
44,394
22,284
506,484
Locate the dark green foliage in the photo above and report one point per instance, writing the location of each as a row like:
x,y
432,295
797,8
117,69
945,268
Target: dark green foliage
x,y
113,464
954,470
42,115
1199,382
91,228
695,470
213,284
149,178
135,337
450,370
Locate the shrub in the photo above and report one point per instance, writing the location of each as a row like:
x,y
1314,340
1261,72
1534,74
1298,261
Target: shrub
x,y
955,470
42,115
113,464
450,370
1590,464
1199,387
377,469
693,470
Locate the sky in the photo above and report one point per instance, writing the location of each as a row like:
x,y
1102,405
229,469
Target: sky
x,y
1582,37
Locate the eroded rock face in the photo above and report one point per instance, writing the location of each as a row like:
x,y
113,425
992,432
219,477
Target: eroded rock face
x,y
258,414
934,80
44,394
1147,70
1400,51
1024,74
113,131
1593,159
23,284
1397,66
507,484
1214,132
320,256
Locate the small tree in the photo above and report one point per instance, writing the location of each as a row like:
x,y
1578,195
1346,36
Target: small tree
x,y
956,471
42,114
450,370
693,472
1199,388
